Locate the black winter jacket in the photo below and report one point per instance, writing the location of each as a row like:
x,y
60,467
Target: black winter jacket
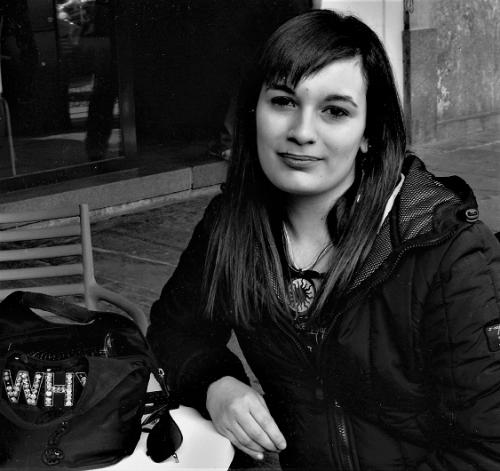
x,y
408,374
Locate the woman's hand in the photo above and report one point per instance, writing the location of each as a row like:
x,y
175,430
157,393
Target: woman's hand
x,y
241,414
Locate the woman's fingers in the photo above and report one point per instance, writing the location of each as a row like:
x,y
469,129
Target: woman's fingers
x,y
269,431
250,433
240,439
241,414
255,436
247,444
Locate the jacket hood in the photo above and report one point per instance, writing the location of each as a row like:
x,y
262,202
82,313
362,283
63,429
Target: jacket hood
x,y
428,205
427,208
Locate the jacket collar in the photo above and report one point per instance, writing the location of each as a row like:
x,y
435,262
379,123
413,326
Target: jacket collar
x,y
423,209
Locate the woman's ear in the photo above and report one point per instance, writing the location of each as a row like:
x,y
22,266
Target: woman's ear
x,y
363,147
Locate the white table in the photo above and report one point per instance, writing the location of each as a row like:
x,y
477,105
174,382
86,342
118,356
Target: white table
x,y
202,448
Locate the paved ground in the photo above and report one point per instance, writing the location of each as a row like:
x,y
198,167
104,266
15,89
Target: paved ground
x,y
136,254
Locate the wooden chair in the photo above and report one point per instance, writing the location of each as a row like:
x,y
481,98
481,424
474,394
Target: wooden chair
x,y
5,112
60,251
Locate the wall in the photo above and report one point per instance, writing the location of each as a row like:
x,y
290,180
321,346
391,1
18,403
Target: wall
x,y
468,59
452,54
420,70
385,17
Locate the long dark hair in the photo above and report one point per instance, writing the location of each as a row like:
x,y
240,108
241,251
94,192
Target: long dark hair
x,y
243,269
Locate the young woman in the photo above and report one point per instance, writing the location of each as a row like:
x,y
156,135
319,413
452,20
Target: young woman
x,y
362,289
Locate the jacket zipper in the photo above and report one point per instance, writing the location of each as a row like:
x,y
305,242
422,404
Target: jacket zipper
x,y
341,443
344,447
340,425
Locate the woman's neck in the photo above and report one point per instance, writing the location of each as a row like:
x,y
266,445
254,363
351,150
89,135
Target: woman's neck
x,y
307,231
308,215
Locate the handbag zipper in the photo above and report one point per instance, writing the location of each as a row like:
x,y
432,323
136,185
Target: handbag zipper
x,y
49,330
160,376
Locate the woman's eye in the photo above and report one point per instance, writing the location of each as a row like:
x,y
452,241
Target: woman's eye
x,y
335,112
283,101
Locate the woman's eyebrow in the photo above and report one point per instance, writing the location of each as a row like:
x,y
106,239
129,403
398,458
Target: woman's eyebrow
x,y
281,86
338,97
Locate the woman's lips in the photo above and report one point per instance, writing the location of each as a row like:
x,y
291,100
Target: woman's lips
x,y
298,160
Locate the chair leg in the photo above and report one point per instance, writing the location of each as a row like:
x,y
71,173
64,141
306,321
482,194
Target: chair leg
x,y
9,136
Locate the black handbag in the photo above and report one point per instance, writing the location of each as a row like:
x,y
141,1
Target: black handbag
x,y
73,393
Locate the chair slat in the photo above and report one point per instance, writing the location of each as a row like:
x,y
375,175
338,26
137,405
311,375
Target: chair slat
x,y
31,216
54,290
14,235
40,252
41,272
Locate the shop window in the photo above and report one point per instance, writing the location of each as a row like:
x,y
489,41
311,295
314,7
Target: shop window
x,y
60,87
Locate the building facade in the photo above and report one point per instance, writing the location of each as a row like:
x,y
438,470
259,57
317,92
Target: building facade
x,y
109,89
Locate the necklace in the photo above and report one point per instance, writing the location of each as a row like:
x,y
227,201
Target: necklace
x,y
301,290
290,256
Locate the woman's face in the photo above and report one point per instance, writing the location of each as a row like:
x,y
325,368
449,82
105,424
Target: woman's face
x,y
308,137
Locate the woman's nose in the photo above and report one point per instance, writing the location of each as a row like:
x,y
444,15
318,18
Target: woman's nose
x,y
302,128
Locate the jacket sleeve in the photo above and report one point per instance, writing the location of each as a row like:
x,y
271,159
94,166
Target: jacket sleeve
x,y
192,348
462,331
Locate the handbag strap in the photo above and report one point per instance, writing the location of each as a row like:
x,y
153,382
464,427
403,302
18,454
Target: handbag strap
x,y
57,306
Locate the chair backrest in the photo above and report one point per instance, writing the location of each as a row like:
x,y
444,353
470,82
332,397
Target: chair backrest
x,y
43,253
40,250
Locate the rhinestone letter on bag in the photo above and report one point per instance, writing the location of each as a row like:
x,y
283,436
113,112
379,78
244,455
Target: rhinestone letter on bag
x,y
32,389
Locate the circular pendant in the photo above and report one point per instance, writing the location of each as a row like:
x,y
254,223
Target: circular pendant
x,y
301,292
